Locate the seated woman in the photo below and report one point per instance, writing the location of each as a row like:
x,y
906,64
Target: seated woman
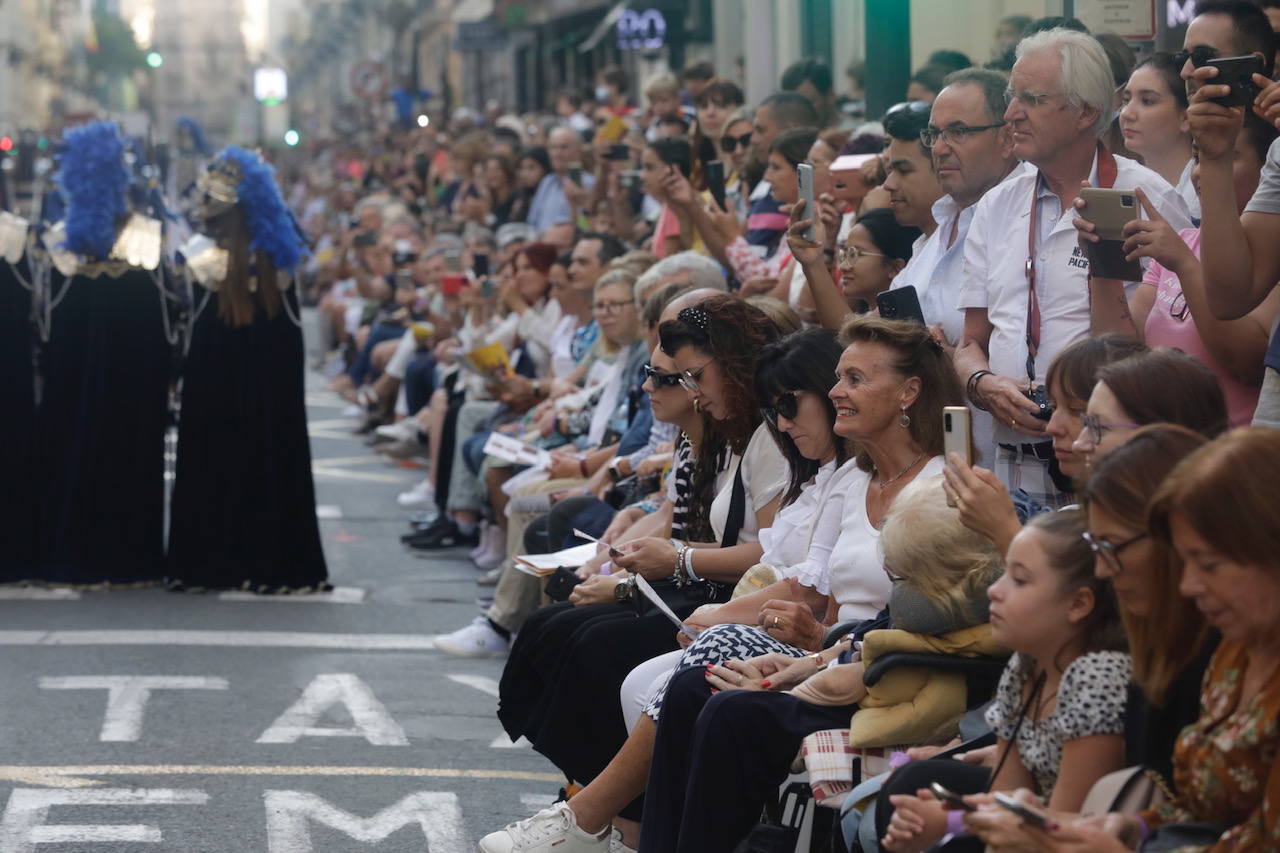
x,y
1059,709
1217,511
566,658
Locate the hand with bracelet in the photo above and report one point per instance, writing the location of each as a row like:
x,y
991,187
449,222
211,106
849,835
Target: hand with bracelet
x,y
792,622
652,557
1007,401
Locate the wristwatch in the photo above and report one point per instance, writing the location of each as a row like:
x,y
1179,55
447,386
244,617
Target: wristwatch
x,y
623,591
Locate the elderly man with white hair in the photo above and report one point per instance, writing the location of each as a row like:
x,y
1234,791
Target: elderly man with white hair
x,y
691,268
1025,288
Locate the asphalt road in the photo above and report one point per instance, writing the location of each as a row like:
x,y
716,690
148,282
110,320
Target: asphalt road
x,y
143,720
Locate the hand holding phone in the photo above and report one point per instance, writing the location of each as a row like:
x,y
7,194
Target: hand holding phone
x,y
804,181
1237,73
957,437
901,303
715,182
1110,210
950,798
1022,810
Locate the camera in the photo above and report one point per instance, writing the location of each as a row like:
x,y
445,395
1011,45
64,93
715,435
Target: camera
x,y
1040,397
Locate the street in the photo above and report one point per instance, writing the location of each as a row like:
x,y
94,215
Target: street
x,y
147,720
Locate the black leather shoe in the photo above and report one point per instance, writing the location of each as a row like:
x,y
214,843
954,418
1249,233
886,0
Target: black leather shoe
x,y
431,528
452,538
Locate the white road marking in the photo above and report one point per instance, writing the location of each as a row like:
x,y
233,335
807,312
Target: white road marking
x,y
504,742
328,511
222,639
127,697
23,825
488,686
536,802
370,719
37,593
320,470
338,595
289,813
81,776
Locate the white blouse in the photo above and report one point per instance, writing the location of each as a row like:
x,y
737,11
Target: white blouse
x,y
764,476
799,542
859,582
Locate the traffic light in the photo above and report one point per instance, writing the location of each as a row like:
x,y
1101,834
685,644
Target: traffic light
x,y
291,137
154,60
6,144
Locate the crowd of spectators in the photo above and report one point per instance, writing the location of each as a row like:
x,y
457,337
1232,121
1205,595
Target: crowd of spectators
x,y
624,319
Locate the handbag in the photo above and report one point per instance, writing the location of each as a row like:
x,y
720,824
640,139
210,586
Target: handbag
x,y
779,833
1192,834
1128,791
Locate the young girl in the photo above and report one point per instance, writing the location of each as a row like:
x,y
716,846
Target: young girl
x,y
1058,712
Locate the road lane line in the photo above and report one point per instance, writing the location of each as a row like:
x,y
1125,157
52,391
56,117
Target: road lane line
x,y
37,593
222,639
80,776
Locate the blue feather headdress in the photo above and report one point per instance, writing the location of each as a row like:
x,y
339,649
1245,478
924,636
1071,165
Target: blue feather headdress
x,y
271,227
94,180
196,132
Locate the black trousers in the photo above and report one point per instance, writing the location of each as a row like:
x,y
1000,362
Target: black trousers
x,y
910,778
718,759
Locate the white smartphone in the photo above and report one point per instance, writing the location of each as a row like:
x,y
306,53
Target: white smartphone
x,y
804,180
957,435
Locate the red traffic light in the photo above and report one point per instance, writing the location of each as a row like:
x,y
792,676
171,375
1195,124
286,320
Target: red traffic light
x,y
6,143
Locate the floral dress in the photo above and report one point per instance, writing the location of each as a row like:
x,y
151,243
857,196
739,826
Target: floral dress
x,y
1224,763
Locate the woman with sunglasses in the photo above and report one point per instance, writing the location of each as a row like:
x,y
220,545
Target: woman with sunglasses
x,y
1171,308
1160,386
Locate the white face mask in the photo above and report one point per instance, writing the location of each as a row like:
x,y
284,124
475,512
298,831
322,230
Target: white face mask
x,y
602,93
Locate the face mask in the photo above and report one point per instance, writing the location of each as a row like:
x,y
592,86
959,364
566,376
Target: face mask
x,y
602,93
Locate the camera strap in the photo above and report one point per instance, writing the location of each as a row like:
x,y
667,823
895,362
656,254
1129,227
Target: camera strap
x,y
1107,171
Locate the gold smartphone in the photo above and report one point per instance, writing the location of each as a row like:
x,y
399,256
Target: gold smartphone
x,y
1109,210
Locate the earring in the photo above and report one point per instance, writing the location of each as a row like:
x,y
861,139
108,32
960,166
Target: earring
x,y
905,420
697,406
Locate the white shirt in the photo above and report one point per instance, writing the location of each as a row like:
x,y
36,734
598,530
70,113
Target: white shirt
x,y
1187,190
535,327
859,583
936,269
995,254
764,475
799,541
561,346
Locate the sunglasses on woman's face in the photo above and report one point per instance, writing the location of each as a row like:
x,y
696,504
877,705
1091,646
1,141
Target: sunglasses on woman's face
x,y
729,143
660,379
787,405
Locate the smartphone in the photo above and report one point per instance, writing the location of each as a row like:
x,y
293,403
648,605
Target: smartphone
x,y
1022,810
950,798
1109,210
957,436
804,180
619,151
364,240
480,265
901,303
451,285
715,181
630,179
488,287
453,262
847,182
613,130
1237,72
575,173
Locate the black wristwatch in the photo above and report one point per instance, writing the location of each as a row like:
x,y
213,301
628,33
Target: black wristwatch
x,y
624,590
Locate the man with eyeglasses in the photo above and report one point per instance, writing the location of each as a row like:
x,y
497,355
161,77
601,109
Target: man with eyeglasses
x,y
1025,288
1240,254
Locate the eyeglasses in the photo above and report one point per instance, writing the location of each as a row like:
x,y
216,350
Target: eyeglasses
x,y
660,379
787,405
1096,428
1110,551
1029,100
954,135
729,143
1199,56
689,378
611,307
1178,308
847,257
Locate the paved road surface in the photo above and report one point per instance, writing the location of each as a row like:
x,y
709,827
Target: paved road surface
x,y
142,720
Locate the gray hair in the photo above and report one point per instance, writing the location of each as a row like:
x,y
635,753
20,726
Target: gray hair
x,y
992,84
1085,74
703,272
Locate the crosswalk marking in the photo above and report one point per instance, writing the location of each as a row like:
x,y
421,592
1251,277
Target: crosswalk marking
x,y
80,776
222,639
338,595
37,593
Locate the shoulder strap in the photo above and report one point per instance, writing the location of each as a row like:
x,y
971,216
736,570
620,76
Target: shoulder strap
x,y
737,509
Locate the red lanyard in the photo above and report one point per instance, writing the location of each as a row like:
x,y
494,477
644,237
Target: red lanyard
x,y
1107,179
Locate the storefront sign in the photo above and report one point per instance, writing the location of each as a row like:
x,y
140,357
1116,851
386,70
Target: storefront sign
x,y
642,30
1130,19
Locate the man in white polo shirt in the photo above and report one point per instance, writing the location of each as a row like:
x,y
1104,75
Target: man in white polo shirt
x,y
1025,288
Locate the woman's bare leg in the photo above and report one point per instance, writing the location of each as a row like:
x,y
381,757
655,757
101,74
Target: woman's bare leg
x,y
598,804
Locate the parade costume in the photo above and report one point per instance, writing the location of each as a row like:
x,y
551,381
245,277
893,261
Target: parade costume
x,y
243,511
17,389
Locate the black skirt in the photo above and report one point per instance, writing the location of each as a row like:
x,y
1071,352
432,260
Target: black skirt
x,y
18,497
244,506
560,686
102,418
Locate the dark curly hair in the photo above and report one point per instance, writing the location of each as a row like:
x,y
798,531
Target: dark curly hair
x,y
802,361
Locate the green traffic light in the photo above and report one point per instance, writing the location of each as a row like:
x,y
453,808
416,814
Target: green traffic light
x,y
291,137
154,60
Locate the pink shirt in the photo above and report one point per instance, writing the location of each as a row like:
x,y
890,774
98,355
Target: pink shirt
x,y
1163,329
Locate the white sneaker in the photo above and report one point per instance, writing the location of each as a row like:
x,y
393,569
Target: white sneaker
x,y
421,494
477,640
495,552
554,828
616,845
485,527
401,430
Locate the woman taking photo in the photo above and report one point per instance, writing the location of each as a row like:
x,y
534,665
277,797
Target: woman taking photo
x,y
875,251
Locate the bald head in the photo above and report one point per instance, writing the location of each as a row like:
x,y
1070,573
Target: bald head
x,y
565,148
